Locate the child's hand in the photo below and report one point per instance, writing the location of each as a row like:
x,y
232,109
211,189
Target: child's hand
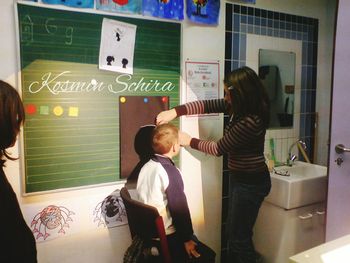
x,y
184,139
190,247
166,116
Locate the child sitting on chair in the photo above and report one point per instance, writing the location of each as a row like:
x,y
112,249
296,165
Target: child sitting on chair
x,y
160,185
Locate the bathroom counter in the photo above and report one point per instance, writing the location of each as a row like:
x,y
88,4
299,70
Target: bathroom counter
x,y
337,250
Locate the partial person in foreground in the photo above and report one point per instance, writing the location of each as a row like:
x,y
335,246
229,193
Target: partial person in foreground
x,y
247,104
160,185
18,241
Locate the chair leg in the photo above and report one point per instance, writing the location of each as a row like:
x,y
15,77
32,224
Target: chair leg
x,y
163,240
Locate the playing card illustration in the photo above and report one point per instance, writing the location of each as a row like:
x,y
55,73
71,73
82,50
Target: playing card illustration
x,y
117,46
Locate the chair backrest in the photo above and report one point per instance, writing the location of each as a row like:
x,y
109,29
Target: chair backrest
x,y
145,222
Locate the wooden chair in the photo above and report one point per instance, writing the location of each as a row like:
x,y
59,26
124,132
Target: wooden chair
x,y
145,222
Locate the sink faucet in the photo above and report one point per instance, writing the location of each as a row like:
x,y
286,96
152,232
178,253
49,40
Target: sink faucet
x,y
292,157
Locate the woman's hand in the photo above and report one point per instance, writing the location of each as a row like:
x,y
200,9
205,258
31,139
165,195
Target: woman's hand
x,y
184,138
190,247
166,116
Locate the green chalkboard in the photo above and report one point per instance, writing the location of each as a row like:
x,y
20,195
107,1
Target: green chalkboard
x,y
71,134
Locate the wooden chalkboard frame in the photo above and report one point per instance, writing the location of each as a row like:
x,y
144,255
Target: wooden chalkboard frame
x,y
45,162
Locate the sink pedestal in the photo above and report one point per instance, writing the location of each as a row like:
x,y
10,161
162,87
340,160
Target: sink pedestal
x,y
292,217
280,233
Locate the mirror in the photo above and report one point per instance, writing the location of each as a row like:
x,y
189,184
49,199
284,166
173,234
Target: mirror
x,y
277,72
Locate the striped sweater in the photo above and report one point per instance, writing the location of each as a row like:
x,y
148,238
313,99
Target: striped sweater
x,y
243,140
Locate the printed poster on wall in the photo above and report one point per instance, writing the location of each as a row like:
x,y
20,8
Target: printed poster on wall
x,y
117,46
202,80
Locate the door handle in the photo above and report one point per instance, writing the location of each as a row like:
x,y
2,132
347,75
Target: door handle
x,y
340,148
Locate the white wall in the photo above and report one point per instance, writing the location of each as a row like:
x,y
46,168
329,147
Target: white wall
x,y
202,180
202,173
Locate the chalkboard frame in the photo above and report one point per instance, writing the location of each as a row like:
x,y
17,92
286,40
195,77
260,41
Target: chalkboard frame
x,y
173,101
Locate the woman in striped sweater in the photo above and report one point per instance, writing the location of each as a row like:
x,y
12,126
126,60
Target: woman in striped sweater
x,y
247,104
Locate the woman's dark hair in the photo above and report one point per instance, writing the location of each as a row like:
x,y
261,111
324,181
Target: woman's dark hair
x,y
11,118
248,94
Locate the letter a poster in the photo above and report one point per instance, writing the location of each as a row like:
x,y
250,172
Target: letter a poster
x,y
117,46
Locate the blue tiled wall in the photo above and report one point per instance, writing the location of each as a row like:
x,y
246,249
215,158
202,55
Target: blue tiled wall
x,y
242,20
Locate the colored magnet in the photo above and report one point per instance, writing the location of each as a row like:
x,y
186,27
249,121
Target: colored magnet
x,y
44,110
73,111
31,109
58,110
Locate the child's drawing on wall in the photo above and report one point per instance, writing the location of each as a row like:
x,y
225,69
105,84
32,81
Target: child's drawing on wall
x,y
51,221
111,211
120,6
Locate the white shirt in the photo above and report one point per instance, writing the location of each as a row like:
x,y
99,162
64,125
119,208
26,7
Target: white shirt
x,y
151,185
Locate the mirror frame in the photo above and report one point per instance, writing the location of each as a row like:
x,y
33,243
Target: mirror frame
x,y
277,72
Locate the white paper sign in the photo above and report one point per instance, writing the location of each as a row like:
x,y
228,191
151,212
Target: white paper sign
x,y
117,46
202,80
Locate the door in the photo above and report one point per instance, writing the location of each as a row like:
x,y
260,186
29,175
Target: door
x,y
338,203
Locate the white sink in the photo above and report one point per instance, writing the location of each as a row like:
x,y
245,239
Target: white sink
x,y
306,184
